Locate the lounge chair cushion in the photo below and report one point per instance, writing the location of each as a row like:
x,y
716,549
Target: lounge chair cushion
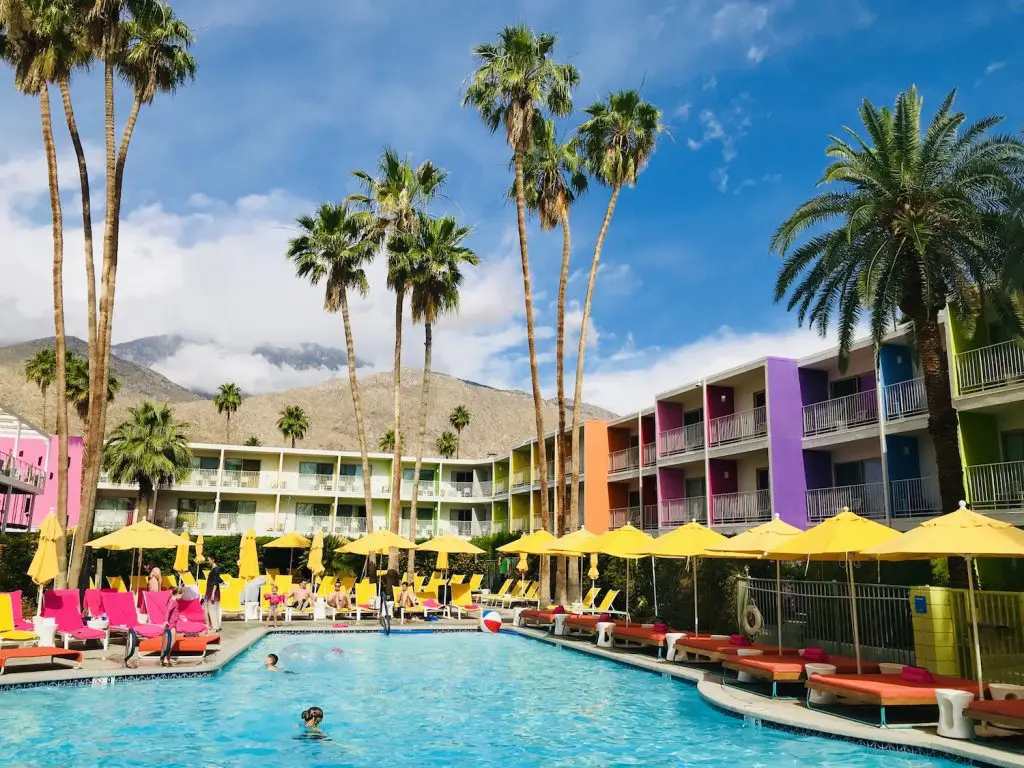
x,y
190,644
894,688
917,675
559,609
86,633
1004,707
815,655
787,667
604,617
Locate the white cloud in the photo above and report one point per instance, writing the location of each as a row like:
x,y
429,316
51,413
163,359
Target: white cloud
x,y
204,366
738,20
694,144
710,84
683,111
756,53
995,66
720,177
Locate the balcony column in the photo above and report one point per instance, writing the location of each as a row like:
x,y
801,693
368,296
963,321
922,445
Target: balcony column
x,y
335,485
883,414
216,498
277,495
640,473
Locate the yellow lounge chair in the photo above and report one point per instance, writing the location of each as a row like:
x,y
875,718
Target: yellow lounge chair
x,y
462,600
419,582
590,597
475,581
231,599
495,596
458,579
273,573
284,586
168,581
605,606
326,586
530,596
8,634
518,591
116,582
188,578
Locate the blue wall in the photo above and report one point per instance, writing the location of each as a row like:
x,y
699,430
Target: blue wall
x,y
818,469
903,456
895,364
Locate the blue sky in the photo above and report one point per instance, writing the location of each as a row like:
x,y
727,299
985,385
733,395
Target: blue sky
x,y
289,101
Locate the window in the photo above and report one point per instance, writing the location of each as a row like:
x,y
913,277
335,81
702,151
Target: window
x,y
205,462
857,472
426,475
421,514
634,499
242,465
235,507
304,508
695,486
634,441
353,470
844,387
462,476
351,510
760,399
118,503
315,468
762,479
198,505
1013,446
693,417
459,515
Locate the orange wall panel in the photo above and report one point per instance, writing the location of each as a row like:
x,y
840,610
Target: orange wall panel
x,y
595,484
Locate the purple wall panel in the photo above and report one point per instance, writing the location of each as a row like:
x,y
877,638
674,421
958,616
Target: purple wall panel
x,y
723,476
813,386
785,427
818,469
671,483
867,381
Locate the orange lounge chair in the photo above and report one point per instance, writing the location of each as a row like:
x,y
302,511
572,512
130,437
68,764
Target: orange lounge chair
x,y
885,691
716,650
583,625
195,644
790,668
532,617
643,635
39,653
1008,713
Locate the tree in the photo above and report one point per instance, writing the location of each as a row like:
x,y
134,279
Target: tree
x,y
459,419
149,450
446,444
147,45
554,179
41,369
335,246
77,389
395,197
386,442
228,399
516,82
616,143
919,219
293,424
253,441
436,252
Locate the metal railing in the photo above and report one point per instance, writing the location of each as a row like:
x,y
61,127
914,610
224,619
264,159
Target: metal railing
x,y
500,486
194,521
817,613
1000,634
905,398
201,478
424,490
622,515
867,500
381,485
111,519
841,413
520,478
310,482
484,528
424,529
235,522
465,489
916,497
682,511
237,478
992,367
623,461
18,469
650,454
310,524
350,484
349,526
682,439
106,480
742,507
551,472
994,487
738,427
538,523
461,527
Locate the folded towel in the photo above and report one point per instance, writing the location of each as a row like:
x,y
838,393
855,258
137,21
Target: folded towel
x,y
660,627
815,655
917,675
559,609
739,640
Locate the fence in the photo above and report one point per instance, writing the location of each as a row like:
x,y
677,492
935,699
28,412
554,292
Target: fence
x,y
1000,632
818,613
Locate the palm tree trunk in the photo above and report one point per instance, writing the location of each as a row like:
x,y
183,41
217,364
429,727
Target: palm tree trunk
x,y
227,430
357,406
942,425
574,478
538,400
396,461
458,440
60,378
293,441
561,502
45,425
428,345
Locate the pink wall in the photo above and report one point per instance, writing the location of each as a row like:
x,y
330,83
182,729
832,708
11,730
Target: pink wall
x,y
34,452
716,406
647,429
719,482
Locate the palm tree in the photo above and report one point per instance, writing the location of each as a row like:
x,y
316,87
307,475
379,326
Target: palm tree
x,y
395,197
919,220
516,82
386,442
436,252
228,399
335,246
77,389
148,46
446,444
459,419
616,143
554,177
148,450
253,441
293,424
41,369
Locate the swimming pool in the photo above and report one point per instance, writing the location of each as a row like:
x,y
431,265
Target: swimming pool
x,y
446,699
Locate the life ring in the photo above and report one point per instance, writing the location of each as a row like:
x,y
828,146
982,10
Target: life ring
x,y
752,622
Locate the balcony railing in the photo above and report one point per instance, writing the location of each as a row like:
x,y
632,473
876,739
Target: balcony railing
x,y
349,526
17,469
194,521
623,515
742,507
650,454
685,439
199,478
381,485
424,529
841,413
916,497
538,523
992,367
500,486
310,524
351,484
996,487
867,500
111,519
105,480
425,489
235,478
537,475
234,522
465,489
520,478
300,482
738,427
682,511
623,461
905,398
461,527
485,527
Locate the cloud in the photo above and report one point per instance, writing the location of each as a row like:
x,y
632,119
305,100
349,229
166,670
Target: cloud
x,y
738,20
720,177
683,111
756,53
995,66
710,84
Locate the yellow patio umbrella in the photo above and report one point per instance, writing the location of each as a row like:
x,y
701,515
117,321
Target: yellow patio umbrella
x,y
687,541
623,542
449,544
291,541
315,562
378,541
248,563
569,546
140,535
843,538
528,543
593,573
442,562
199,558
963,533
181,556
522,566
44,568
753,544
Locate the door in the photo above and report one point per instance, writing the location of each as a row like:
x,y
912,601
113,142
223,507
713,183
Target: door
x,y
760,413
762,479
844,387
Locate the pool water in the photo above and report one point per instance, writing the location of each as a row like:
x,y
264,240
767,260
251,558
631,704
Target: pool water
x,y
441,699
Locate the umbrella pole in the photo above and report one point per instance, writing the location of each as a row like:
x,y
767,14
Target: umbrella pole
x,y
654,579
974,626
778,599
853,611
696,629
627,589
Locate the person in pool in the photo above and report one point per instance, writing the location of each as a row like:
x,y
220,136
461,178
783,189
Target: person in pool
x,y
271,663
275,601
312,718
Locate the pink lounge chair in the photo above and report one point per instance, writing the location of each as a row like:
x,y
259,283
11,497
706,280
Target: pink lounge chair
x,y
120,610
62,605
156,607
193,611
19,620
94,601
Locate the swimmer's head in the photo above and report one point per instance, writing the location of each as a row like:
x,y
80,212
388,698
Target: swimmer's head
x,y
312,717
271,660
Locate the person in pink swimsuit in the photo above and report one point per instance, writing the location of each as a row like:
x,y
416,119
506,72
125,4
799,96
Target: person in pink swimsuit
x,y
276,602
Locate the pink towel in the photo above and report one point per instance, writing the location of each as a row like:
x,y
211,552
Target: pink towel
x,y
431,603
917,675
815,655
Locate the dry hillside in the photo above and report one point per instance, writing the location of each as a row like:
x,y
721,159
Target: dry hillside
x,y
500,418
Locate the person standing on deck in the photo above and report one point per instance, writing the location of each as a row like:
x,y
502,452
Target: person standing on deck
x,y
212,598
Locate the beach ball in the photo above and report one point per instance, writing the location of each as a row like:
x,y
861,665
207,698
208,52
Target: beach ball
x,y
490,622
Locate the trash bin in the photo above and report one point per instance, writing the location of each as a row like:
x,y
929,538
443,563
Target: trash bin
x,y
818,697
952,703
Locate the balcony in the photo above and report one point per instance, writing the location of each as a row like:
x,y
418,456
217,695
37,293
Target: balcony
x,y
194,521
916,497
905,399
996,487
293,481
688,439
742,507
624,461
619,517
197,478
111,519
309,525
349,526
738,427
233,522
233,478
352,484
682,511
992,367
538,523
21,471
841,413
551,473
381,486
650,454
465,490
867,500
425,489
500,487
424,529
105,480
520,478
461,527
485,527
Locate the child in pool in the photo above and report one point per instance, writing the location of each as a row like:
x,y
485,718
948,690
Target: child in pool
x,y
271,663
312,718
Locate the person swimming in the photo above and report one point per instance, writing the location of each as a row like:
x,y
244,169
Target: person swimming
x,y
312,717
271,663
